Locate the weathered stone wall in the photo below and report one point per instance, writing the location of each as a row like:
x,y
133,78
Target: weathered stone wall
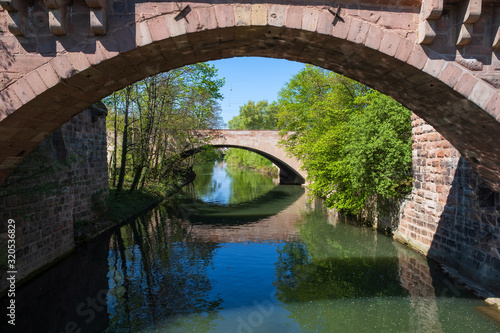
x,y
53,188
451,216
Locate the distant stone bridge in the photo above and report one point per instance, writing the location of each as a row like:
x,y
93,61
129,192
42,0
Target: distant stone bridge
x,y
264,143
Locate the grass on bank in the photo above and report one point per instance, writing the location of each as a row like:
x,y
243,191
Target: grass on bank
x,y
113,209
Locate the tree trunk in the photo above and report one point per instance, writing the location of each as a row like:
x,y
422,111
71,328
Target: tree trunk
x,y
121,177
115,145
137,177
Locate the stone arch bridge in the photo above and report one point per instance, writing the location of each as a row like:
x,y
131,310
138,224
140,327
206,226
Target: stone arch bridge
x,y
264,143
439,58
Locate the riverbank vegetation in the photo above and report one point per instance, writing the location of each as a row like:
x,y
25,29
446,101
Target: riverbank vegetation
x,y
354,142
114,209
151,122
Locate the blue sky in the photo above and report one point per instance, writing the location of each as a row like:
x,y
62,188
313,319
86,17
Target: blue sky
x,y
252,79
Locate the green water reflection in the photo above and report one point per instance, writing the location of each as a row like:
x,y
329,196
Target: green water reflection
x,y
224,184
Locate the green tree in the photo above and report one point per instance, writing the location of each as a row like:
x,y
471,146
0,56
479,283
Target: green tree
x,y
253,116
354,142
159,117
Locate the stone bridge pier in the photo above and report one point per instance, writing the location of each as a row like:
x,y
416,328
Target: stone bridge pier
x,y
451,216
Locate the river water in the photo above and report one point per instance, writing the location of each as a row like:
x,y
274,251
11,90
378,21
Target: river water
x,y
234,252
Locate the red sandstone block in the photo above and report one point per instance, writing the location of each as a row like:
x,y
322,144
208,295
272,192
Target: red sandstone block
x,y
243,15
358,31
277,15
482,93
192,24
23,90
97,53
79,61
465,84
142,34
309,19
225,16
207,18
259,14
325,21
294,17
63,66
451,73
398,20
434,67
158,28
36,82
493,106
369,13
418,57
390,43
374,38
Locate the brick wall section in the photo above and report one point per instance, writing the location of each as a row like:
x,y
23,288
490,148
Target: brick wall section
x,y
53,188
451,216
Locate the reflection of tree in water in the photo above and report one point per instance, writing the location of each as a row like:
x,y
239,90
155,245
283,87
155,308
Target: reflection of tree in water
x,y
246,186
156,272
203,183
334,265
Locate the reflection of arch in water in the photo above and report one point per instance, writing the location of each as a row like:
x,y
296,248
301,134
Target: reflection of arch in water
x,y
267,205
279,211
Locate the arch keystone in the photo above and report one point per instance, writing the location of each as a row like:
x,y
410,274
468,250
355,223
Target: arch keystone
x,y
225,16
243,15
310,19
259,14
277,15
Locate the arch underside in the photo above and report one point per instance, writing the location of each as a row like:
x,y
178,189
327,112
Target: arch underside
x,y
112,66
288,174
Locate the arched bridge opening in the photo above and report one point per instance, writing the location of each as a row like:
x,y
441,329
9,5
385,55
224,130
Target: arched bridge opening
x,y
288,175
53,69
262,142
